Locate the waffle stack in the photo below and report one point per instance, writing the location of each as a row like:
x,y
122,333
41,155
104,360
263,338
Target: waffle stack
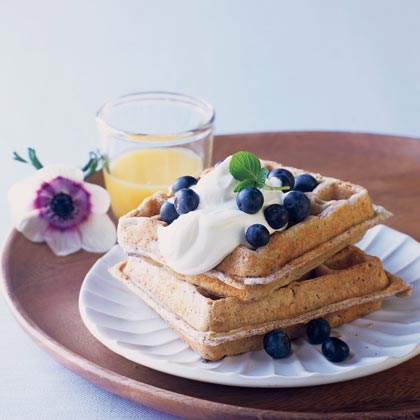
x,y
305,272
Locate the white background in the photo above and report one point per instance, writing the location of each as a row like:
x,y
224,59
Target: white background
x,y
264,65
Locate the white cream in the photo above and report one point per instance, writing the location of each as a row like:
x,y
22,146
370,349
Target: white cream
x,y
199,240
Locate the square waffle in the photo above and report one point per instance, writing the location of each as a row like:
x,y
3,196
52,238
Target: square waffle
x,y
340,214
343,288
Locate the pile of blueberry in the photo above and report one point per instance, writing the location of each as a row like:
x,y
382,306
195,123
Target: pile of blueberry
x,y
186,199
277,343
295,208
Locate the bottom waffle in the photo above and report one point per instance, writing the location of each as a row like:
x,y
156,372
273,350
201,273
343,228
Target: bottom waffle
x,y
255,342
344,288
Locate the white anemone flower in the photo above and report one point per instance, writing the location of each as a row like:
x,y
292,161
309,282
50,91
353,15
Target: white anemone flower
x,y
56,206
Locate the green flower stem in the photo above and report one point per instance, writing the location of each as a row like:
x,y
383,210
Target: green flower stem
x,y
95,164
18,158
34,159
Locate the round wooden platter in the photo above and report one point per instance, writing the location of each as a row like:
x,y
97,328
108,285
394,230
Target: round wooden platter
x,y
42,291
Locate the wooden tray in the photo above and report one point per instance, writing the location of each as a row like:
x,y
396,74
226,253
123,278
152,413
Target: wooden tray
x,y
42,291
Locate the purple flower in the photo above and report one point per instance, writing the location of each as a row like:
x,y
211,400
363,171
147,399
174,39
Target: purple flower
x,y
58,207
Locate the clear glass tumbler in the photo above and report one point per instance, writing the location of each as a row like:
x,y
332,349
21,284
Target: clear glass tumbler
x,y
149,139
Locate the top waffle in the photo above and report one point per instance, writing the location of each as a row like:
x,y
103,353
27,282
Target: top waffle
x,y
340,214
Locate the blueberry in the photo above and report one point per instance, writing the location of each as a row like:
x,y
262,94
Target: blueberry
x,y
250,200
335,350
186,200
298,205
276,216
277,344
318,330
183,182
305,183
286,177
168,213
257,235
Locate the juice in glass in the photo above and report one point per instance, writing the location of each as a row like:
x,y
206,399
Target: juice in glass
x,y
149,140
138,174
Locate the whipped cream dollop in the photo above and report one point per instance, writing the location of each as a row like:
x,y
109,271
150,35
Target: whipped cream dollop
x,y
199,240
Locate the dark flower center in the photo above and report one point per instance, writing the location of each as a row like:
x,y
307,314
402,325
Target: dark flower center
x,y
62,205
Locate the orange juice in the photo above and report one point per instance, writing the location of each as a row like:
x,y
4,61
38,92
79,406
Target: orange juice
x,y
135,175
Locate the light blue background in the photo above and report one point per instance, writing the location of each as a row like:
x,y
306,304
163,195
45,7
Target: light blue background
x,y
264,65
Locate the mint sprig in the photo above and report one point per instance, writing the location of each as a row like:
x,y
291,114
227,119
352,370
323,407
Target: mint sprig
x,y
246,183
245,167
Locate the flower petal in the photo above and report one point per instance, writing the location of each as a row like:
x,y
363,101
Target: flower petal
x,y
98,233
21,197
99,198
63,242
49,172
33,226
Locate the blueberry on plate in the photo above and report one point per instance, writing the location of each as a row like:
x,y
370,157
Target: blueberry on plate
x,y
335,350
257,235
277,344
276,216
298,206
186,200
318,330
183,182
305,183
249,200
168,213
286,177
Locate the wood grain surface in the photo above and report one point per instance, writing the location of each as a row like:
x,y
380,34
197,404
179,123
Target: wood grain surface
x,y
42,291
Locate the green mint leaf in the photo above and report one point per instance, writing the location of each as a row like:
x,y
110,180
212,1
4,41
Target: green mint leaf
x,y
262,177
246,183
34,158
244,165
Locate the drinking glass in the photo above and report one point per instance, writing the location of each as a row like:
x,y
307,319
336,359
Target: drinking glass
x,y
148,140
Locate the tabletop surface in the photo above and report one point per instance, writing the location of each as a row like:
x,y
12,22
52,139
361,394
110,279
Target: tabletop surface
x,y
265,66
47,298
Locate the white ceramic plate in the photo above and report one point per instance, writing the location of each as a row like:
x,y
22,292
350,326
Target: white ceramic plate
x,y
378,341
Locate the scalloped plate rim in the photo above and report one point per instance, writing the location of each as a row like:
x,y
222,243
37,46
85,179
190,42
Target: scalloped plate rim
x,y
181,369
